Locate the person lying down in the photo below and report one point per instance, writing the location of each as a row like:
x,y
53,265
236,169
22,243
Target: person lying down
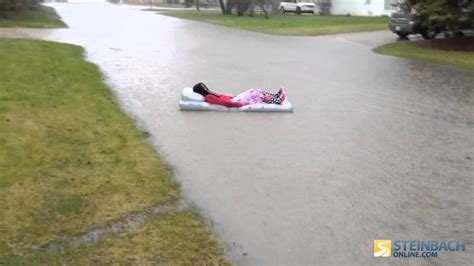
x,y
252,96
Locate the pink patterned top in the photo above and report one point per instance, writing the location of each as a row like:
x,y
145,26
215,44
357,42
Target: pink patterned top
x,y
253,96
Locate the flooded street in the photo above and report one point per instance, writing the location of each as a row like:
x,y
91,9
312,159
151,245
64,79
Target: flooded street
x,y
378,147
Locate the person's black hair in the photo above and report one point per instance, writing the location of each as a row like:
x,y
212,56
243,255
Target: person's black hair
x,y
202,89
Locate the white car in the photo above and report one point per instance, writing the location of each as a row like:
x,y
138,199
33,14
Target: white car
x,y
297,7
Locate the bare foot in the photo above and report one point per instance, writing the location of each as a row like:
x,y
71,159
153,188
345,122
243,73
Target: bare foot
x,y
282,94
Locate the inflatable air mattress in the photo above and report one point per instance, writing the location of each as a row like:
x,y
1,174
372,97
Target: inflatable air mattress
x,y
191,101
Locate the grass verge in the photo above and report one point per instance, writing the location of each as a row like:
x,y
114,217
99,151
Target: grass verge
x,y
40,17
412,50
174,238
287,24
71,160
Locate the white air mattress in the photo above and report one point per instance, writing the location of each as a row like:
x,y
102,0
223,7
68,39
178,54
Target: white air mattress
x,y
191,101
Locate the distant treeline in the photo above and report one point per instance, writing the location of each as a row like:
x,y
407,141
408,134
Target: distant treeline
x,y
15,6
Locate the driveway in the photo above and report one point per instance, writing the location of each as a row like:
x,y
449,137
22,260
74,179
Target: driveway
x,y
378,147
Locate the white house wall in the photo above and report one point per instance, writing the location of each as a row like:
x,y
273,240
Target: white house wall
x,y
359,7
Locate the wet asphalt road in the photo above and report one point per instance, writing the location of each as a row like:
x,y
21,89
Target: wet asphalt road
x,y
378,147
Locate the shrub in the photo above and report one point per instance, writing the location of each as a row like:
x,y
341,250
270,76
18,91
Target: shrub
x,y
14,6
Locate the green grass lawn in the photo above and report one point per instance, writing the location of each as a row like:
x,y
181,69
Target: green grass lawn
x,y
412,50
287,24
41,17
71,160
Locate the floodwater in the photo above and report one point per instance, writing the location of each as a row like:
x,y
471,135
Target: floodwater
x,y
378,147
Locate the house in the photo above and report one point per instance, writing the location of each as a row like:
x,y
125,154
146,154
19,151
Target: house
x,y
363,7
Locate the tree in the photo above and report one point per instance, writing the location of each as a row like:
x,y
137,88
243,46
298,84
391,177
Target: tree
x,y
243,6
226,6
14,6
260,3
324,6
222,5
439,14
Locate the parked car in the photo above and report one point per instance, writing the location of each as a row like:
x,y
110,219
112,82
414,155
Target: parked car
x,y
296,6
404,23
